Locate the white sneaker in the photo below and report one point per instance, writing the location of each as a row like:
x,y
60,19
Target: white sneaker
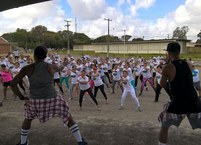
x,y
139,109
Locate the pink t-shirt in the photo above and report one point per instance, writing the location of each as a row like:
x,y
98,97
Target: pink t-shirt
x,y
6,76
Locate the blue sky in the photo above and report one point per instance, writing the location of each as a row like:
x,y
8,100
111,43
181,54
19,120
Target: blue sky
x,y
159,9
153,19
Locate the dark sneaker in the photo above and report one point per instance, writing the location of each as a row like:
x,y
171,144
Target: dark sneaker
x,y
140,94
121,108
27,143
82,143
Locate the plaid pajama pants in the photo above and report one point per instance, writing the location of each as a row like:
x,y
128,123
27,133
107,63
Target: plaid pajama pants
x,y
44,109
168,119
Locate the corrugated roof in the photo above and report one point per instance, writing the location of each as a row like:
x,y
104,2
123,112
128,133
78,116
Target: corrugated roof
x,y
3,41
9,4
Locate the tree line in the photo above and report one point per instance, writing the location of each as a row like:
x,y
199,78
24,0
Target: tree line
x,y
40,35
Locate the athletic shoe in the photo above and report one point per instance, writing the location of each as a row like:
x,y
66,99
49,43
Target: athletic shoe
x,y
121,108
140,94
83,142
139,109
27,143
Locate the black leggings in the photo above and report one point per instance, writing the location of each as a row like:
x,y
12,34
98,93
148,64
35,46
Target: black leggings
x,y
136,80
82,92
101,87
158,90
108,76
113,85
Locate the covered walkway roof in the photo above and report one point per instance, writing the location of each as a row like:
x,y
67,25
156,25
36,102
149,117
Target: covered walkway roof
x,y
9,4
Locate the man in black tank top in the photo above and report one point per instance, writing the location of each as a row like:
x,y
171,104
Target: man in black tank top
x,y
184,101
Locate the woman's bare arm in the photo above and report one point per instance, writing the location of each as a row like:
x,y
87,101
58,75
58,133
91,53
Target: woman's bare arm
x,y
17,79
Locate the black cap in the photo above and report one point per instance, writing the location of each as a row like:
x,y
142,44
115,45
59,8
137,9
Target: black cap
x,y
173,47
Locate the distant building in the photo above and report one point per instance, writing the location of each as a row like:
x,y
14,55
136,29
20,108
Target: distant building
x,y
5,46
133,47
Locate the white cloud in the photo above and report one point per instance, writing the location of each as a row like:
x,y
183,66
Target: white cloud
x,y
88,9
144,3
121,2
91,14
49,14
140,4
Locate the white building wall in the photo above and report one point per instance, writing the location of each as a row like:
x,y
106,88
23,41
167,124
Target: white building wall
x,y
141,47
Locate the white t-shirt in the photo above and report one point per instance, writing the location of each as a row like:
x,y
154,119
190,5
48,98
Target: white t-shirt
x,y
79,68
104,67
109,65
97,80
196,76
146,72
56,75
158,77
127,83
87,68
10,66
15,71
57,57
48,60
117,61
121,68
23,63
83,86
137,70
16,53
74,77
130,74
116,74
64,72
101,72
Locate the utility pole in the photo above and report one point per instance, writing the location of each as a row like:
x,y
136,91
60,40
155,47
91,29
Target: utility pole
x,y
124,41
168,36
68,35
75,25
108,36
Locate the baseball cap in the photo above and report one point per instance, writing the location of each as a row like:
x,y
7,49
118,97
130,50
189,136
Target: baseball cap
x,y
173,47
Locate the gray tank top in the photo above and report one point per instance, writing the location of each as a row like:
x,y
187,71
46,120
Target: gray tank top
x,y
41,82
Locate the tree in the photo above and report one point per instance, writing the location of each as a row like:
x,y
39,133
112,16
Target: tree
x,y
19,37
180,33
137,39
81,38
127,37
105,39
37,34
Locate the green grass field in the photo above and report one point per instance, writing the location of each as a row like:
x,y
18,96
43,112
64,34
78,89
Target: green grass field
x,y
194,56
